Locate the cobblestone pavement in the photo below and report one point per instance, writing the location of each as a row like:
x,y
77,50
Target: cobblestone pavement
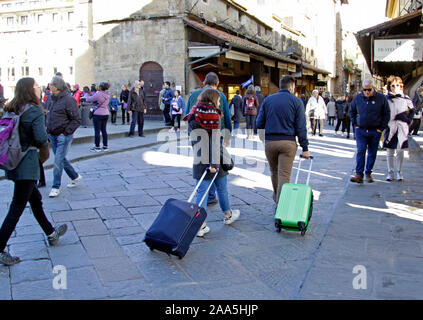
x,y
109,212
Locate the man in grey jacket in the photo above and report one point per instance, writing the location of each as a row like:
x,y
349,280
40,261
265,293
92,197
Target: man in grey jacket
x,y
63,118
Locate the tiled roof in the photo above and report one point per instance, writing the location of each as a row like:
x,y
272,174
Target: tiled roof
x,y
236,42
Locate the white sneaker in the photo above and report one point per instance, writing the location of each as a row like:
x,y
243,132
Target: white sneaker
x,y
234,216
203,231
75,181
390,176
54,193
398,176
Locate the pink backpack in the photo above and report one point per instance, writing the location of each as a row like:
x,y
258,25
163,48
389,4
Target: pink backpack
x,y
10,146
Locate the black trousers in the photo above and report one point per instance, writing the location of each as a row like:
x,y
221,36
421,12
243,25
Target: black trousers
x,y
137,117
42,174
166,114
415,126
100,125
125,112
338,125
113,116
24,191
178,118
346,125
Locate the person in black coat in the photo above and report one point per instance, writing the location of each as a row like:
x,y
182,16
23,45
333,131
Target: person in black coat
x,y
340,114
124,95
236,104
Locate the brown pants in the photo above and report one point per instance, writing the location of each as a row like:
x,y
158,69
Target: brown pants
x,y
280,155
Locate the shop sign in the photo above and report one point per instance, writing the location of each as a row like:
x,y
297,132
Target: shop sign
x,y
410,50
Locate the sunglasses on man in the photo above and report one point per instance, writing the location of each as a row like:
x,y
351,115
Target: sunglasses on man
x,y
368,90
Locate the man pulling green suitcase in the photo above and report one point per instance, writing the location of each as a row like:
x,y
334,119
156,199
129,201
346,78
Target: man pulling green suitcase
x,y
295,204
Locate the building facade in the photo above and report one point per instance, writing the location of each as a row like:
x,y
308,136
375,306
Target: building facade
x,y
395,47
44,37
179,41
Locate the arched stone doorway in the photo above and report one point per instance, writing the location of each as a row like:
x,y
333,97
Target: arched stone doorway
x,y
152,74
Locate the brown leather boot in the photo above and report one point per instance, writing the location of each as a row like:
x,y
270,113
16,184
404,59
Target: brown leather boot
x,y
369,178
357,179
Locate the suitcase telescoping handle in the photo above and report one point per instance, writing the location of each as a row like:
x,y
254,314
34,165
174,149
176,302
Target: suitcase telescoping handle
x,y
198,185
309,170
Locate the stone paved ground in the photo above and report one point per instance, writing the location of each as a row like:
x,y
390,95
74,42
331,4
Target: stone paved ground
x,y
121,194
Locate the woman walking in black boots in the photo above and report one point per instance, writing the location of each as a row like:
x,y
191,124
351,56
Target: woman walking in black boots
x,y
32,134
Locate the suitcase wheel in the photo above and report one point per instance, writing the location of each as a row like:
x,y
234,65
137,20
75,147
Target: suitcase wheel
x,y
302,227
278,225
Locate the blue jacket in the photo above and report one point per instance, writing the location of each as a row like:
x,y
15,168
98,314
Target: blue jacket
x,y
168,94
282,116
114,104
371,113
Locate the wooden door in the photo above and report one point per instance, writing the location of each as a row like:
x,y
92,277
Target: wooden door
x,y
152,74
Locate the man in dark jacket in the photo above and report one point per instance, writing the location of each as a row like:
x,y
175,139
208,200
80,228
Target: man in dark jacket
x,y
370,114
63,118
282,118
136,106
168,95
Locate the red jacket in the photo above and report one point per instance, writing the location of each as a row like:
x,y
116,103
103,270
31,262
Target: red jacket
x,y
77,95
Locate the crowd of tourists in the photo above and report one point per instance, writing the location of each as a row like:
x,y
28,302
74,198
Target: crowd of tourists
x,y
280,120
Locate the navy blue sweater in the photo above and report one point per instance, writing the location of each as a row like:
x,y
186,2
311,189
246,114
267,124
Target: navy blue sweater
x,y
370,113
282,116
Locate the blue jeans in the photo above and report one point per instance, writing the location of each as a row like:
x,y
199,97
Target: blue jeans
x,y
60,146
367,140
236,124
221,186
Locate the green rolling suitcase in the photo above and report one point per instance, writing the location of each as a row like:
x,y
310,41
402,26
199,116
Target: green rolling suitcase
x,y
295,205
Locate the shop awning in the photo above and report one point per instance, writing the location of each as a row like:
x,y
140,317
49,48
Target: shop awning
x,y
254,49
308,66
236,42
390,36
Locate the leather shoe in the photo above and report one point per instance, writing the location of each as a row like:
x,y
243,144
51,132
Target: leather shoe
x,y
369,178
214,201
357,179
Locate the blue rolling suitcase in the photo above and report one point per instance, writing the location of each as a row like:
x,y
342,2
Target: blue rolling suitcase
x,y
177,224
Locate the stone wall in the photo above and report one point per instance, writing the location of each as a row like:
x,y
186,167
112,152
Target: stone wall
x,y
226,15
120,53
